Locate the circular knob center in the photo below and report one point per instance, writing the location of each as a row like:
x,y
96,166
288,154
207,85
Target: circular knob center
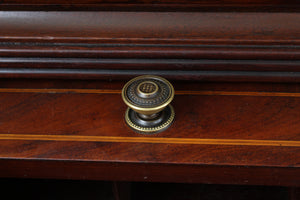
x,y
147,89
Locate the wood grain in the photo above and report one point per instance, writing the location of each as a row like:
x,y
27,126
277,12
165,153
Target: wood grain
x,y
208,143
248,131
253,117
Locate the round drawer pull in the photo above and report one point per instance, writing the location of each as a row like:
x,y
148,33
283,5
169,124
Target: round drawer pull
x,y
148,98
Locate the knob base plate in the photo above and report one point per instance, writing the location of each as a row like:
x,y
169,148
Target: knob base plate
x,y
150,126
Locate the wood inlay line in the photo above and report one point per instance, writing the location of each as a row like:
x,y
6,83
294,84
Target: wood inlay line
x,y
157,140
180,92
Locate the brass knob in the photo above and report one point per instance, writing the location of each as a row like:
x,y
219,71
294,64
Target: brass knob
x,y
148,98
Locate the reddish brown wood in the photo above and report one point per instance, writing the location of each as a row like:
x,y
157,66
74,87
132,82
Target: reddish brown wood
x,y
60,115
263,131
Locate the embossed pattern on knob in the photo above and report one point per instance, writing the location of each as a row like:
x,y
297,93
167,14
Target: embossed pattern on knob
x,y
148,94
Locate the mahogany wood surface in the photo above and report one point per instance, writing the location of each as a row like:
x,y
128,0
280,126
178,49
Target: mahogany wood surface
x,y
236,135
235,69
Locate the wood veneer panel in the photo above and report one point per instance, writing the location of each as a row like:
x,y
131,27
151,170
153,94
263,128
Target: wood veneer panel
x,y
86,128
237,116
248,131
243,117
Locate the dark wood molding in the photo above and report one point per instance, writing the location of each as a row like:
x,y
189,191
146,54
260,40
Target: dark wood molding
x,y
151,51
102,44
267,8
154,6
212,28
104,74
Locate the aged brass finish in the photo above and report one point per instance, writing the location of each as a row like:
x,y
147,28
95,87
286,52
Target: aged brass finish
x,y
148,98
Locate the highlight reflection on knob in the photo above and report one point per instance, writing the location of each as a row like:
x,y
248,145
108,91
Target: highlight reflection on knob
x,y
148,98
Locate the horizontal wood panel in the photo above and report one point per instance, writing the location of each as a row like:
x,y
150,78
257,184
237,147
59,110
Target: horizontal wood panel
x,y
219,155
253,117
233,131
151,27
244,121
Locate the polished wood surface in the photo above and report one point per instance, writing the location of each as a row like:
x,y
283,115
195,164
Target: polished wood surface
x,y
220,136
